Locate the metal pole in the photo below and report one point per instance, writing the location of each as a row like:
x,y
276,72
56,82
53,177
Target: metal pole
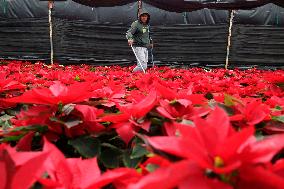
x,y
152,57
229,38
50,7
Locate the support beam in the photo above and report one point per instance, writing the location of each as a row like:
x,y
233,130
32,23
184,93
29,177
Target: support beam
x,y
232,13
50,7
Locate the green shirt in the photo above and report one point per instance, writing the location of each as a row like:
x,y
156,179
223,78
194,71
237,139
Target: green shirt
x,y
140,34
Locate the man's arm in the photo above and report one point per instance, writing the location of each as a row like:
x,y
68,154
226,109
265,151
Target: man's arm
x,y
131,31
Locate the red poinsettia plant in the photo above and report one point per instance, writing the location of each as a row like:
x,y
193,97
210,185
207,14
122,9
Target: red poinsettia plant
x,y
81,126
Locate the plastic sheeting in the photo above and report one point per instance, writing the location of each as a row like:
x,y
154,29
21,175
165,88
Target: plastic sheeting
x,y
24,39
186,5
86,42
259,45
181,45
269,14
96,35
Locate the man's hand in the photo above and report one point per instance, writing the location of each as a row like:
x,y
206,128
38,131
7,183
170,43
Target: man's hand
x,y
150,46
130,42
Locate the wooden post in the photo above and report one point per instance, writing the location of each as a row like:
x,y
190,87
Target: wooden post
x,y
229,37
50,7
139,8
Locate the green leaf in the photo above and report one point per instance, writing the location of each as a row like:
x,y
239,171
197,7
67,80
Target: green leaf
x,y
38,128
87,146
228,109
138,152
151,167
77,78
130,162
278,118
209,96
6,117
281,85
69,124
173,102
278,108
12,138
111,157
230,100
92,69
60,106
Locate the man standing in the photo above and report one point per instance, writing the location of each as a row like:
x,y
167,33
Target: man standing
x,y
138,36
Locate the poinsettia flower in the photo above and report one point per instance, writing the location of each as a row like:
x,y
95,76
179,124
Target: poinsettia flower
x,y
180,109
252,113
183,95
131,116
109,97
205,142
55,94
214,145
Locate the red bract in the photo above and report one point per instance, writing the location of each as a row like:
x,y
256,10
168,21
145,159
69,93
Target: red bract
x,y
120,178
274,127
55,94
20,170
130,119
35,115
78,173
183,175
277,100
89,116
9,84
25,143
259,177
68,173
153,163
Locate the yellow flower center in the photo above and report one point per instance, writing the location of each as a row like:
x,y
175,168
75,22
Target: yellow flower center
x,y
218,161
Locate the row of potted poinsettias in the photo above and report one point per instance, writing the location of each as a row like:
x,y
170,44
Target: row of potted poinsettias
x,y
93,127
